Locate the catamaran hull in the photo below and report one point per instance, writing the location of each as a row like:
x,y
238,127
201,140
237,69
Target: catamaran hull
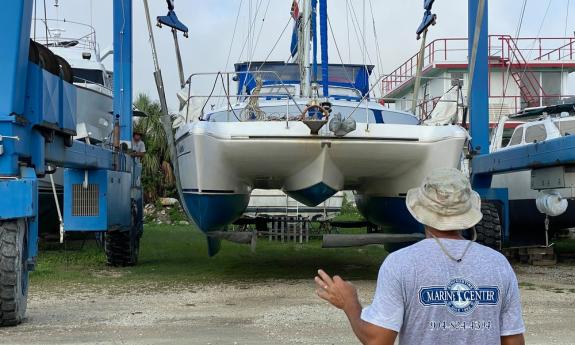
x,y
220,163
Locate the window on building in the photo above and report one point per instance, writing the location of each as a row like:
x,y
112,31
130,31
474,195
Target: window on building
x,y
535,133
456,78
516,137
551,85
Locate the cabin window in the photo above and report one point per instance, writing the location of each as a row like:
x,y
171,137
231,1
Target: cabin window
x,y
535,133
516,137
566,127
90,76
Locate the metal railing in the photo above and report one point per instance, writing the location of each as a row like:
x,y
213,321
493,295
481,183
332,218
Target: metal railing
x,y
53,29
454,50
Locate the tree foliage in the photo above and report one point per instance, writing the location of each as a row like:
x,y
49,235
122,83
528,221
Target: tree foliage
x,y
157,175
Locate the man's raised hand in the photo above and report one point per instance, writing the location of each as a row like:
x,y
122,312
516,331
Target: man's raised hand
x,y
336,291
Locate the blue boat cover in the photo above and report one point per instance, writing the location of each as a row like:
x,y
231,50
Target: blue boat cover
x,y
276,72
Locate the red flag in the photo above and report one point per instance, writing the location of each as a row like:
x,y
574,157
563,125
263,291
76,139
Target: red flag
x,y
295,10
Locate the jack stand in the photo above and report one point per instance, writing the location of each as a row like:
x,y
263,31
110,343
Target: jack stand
x,y
547,231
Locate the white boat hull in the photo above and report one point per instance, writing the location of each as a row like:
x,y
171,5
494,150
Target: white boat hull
x,y
224,161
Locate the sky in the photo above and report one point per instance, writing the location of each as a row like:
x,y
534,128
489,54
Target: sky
x,y
212,23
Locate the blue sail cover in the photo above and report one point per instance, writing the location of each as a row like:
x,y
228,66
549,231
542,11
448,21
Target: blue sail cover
x,y
277,72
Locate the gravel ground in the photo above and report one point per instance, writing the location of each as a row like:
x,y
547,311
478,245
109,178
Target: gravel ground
x,y
271,312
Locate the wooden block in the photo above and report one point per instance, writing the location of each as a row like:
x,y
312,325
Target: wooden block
x,y
544,262
540,250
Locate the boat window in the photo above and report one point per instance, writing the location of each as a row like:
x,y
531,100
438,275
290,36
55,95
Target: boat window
x,y
566,127
91,76
516,137
278,90
335,91
507,133
535,133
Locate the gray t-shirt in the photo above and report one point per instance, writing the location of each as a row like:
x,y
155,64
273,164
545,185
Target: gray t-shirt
x,y
139,147
430,299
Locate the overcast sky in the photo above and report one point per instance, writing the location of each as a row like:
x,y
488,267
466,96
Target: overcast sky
x,y
212,22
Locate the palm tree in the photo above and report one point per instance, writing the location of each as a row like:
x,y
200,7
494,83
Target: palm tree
x,y
157,174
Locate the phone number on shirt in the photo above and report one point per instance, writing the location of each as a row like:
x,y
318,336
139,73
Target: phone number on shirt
x,y
459,325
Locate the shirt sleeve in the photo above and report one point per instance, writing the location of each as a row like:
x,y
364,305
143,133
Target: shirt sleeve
x,y
511,319
387,308
142,147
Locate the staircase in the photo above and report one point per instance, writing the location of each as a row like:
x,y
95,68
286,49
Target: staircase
x,y
531,90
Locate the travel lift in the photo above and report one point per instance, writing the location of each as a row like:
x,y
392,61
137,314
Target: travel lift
x,y
102,192
549,160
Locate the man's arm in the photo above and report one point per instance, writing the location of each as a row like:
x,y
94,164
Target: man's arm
x,y
343,295
137,154
516,339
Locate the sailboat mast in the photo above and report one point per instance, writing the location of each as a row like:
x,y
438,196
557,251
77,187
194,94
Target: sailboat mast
x,y
304,54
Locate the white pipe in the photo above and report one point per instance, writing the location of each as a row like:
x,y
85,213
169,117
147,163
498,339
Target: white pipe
x,y
60,219
85,182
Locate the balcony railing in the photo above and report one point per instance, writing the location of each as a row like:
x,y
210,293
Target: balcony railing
x,y
503,49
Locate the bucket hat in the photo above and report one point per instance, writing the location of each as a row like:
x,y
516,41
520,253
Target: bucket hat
x,y
445,201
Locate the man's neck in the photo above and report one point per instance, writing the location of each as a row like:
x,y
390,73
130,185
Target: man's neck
x,y
454,235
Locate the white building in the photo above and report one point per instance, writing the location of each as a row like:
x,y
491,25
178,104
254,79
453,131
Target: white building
x,y
524,72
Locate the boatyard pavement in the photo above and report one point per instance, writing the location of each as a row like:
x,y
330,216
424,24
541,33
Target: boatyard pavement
x,y
267,312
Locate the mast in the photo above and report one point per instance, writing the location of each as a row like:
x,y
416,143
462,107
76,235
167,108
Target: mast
x,y
304,53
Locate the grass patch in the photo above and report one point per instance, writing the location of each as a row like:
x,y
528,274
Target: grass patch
x,y
565,246
178,254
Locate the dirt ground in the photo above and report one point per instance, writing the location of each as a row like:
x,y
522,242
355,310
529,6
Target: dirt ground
x,y
271,312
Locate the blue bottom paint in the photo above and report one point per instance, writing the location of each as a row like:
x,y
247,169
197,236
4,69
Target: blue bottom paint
x,y
391,213
314,195
215,211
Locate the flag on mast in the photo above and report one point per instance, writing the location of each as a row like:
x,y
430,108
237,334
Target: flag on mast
x,y
295,14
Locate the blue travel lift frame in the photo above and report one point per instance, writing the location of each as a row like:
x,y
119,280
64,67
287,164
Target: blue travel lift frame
x,y
34,103
478,103
550,153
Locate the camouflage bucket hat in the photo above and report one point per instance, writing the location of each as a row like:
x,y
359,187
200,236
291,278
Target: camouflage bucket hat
x,y
445,201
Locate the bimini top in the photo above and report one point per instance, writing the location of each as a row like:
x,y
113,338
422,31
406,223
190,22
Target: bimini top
x,y
548,110
277,72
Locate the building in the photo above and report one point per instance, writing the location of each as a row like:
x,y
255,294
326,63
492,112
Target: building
x,y
524,72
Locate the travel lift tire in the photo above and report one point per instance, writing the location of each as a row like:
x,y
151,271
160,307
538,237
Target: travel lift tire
x,y
122,247
13,272
489,228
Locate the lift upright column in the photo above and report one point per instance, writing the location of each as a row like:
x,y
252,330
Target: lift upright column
x,y
123,67
479,96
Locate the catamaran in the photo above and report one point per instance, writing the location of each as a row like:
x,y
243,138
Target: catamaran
x,y
310,131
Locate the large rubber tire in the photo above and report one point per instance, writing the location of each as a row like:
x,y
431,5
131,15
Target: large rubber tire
x,y
122,248
33,54
13,272
48,60
65,69
489,229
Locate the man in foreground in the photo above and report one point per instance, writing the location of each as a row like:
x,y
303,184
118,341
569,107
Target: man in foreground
x,y
441,290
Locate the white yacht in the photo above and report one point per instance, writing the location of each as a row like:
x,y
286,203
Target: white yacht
x,y
523,212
